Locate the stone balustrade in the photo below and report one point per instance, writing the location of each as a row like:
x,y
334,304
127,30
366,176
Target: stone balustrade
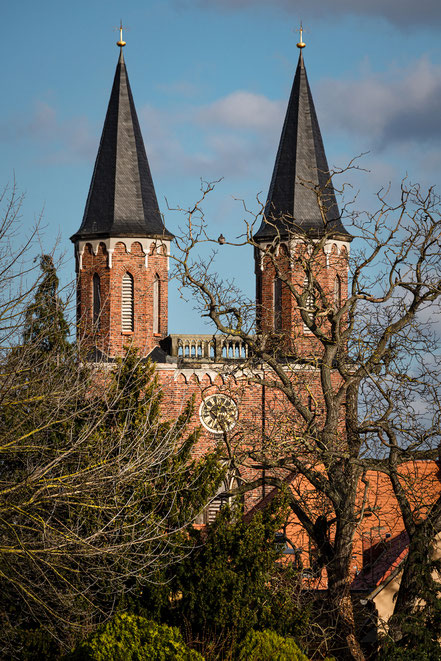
x,y
207,348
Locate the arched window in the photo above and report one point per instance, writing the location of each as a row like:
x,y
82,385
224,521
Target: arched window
x,y
259,298
156,304
337,293
127,304
277,303
96,303
213,508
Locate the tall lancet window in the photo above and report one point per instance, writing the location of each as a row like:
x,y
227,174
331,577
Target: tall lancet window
x,y
310,301
337,293
127,304
277,304
96,303
156,304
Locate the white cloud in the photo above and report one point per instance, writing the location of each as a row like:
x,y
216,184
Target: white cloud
x,y
243,110
231,136
43,121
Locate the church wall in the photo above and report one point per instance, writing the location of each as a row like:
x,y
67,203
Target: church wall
x,y
266,421
108,335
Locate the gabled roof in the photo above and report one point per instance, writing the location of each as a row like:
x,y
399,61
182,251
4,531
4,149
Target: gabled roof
x,y
376,574
300,170
122,200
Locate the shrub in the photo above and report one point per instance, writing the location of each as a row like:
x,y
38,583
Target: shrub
x,y
224,583
269,646
133,638
287,610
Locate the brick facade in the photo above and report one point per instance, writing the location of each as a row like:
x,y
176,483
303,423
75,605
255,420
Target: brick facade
x,y
105,333
329,266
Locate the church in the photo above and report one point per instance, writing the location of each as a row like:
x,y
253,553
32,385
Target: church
x,y
122,252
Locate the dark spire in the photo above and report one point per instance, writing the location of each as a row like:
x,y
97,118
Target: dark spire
x,y
292,205
122,200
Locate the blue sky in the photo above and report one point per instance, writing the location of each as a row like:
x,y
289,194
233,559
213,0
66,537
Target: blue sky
x,y
211,81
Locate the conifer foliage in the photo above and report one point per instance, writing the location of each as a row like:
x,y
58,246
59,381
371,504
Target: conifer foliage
x,y
133,638
224,589
96,487
45,326
267,645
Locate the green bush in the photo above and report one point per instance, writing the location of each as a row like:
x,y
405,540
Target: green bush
x,y
133,638
285,611
269,646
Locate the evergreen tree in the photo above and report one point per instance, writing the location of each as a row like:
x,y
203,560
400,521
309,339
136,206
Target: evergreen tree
x,y
269,646
223,588
420,632
133,638
45,327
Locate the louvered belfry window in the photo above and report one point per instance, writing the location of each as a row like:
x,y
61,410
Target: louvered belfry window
x,y
96,300
127,304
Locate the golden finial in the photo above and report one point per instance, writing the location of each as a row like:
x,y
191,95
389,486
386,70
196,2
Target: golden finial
x,y
301,43
121,43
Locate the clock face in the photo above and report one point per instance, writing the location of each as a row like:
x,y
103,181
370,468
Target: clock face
x,y
218,413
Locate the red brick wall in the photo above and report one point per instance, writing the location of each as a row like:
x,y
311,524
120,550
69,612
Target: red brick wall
x,y
108,337
379,540
295,338
265,422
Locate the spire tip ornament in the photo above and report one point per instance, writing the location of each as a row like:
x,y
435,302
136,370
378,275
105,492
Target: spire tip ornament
x,y
301,44
121,43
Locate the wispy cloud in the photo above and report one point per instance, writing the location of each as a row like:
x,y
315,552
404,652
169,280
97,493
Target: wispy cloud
x,y
243,110
395,107
59,140
231,136
179,88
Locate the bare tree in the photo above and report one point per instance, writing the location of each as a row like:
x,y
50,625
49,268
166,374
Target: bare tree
x,y
96,488
358,372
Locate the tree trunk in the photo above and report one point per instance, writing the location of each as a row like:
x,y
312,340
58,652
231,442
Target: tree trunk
x,y
345,645
417,584
339,565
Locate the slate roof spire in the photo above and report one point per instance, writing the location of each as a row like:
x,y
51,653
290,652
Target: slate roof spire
x,y
122,200
301,166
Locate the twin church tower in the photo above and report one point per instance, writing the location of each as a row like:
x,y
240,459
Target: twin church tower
x,y
122,247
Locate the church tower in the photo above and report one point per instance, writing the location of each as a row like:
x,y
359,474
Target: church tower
x,y
122,246
301,242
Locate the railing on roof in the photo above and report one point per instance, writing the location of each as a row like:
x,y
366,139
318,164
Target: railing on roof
x,y
207,348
